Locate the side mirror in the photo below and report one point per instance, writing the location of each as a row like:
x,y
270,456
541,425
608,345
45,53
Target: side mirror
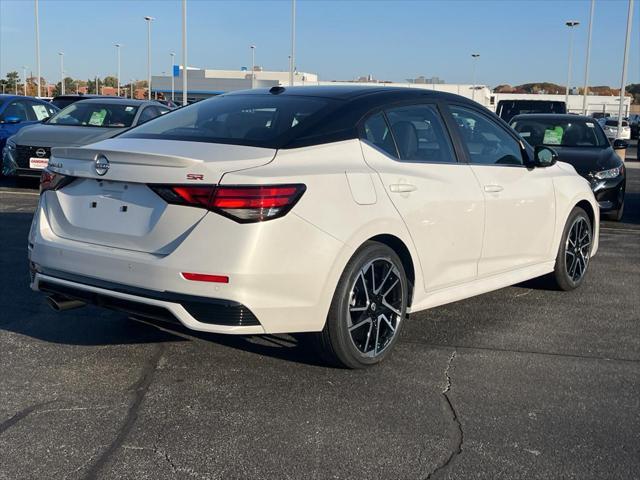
x,y
544,156
620,144
12,120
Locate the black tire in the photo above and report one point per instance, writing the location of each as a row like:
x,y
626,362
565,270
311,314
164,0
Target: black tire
x,y
567,275
342,342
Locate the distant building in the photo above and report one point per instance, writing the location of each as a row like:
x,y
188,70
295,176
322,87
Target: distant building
x,y
422,80
204,83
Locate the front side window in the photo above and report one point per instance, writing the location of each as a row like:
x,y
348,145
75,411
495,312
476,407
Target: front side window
x,y
90,114
486,141
147,114
376,131
16,109
256,120
420,134
561,133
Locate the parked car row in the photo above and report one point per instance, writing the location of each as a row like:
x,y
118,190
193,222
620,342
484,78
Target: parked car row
x,y
29,127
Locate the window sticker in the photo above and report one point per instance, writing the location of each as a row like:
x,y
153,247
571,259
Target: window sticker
x,y
553,136
128,109
590,125
97,118
40,111
525,134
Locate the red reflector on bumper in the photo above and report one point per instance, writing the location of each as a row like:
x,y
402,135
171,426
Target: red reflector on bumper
x,y
203,277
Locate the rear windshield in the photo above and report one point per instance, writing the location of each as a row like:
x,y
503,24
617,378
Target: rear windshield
x,y
614,123
255,120
561,133
90,114
64,102
507,109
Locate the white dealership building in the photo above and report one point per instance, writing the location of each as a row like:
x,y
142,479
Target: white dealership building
x,y
204,83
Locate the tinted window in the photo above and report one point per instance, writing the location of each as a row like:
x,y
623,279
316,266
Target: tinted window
x,y
40,111
17,108
487,142
420,134
376,132
507,109
564,133
614,123
258,120
91,114
64,102
148,114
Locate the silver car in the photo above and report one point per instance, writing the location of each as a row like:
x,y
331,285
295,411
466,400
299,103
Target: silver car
x,y
81,123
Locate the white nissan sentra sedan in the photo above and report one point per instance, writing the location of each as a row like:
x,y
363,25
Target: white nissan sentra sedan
x,y
335,210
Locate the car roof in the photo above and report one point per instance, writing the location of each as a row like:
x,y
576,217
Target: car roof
x,y
82,95
345,92
551,116
118,101
8,96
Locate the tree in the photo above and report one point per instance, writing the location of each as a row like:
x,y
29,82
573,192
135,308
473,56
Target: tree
x,y
69,87
12,81
110,81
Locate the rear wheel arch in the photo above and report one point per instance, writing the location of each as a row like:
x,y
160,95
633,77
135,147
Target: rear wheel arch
x,y
401,249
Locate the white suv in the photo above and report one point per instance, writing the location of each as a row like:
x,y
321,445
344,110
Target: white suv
x,y
335,210
610,127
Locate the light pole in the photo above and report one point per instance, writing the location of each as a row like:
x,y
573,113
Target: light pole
x,y
131,84
475,57
292,61
24,78
38,47
571,24
149,20
184,52
253,66
118,45
61,72
624,67
173,87
586,66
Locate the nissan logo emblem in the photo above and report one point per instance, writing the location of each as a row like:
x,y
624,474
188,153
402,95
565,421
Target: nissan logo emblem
x,y
101,165
41,152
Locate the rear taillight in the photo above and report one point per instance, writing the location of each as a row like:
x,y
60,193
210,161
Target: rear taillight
x,y
242,203
53,181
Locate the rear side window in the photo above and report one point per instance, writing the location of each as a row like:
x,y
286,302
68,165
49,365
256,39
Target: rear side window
x,y
420,134
256,120
376,131
486,142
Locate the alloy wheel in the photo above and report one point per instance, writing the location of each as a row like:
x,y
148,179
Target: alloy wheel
x,y
577,249
375,307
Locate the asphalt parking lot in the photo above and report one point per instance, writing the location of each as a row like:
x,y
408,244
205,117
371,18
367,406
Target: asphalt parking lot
x,y
519,383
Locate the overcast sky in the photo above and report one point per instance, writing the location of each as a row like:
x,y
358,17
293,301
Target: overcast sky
x,y
519,41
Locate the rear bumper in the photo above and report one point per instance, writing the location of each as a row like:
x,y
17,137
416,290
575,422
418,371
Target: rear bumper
x,y
283,273
197,313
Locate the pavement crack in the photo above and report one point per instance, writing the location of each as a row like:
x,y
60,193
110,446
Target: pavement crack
x,y
139,389
456,427
21,415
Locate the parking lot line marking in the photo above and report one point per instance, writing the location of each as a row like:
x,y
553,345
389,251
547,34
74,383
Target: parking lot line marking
x,y
619,230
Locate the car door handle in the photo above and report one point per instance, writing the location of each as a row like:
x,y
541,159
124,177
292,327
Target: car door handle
x,y
493,188
402,187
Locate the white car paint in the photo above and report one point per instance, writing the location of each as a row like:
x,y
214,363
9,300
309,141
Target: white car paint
x,y
467,229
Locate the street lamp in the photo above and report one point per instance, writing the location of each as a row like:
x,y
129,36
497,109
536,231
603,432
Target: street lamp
x,y
131,85
118,45
184,52
149,20
24,78
571,24
475,57
625,61
586,65
38,47
61,72
292,60
173,87
253,65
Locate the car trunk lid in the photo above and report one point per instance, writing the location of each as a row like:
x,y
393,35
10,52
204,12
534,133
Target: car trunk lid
x,y
118,209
